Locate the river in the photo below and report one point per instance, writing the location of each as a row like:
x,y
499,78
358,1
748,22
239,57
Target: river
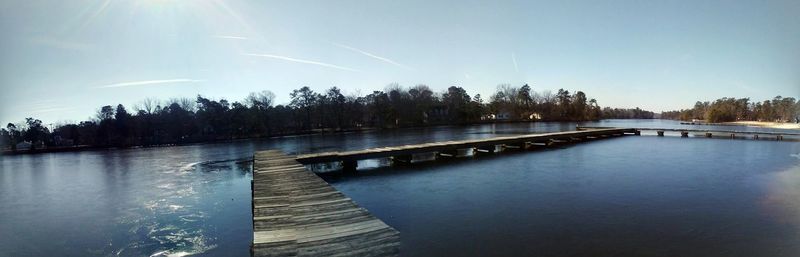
x,y
641,196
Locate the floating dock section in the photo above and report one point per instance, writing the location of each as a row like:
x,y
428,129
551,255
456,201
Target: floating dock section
x,y
296,213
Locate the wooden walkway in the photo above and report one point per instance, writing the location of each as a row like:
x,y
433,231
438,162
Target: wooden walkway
x,y
793,136
483,145
717,131
296,213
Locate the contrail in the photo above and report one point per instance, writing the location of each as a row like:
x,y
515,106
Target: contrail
x,y
61,44
94,15
303,61
149,82
514,59
384,59
229,37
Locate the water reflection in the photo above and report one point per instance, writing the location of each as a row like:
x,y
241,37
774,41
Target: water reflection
x,y
783,199
171,223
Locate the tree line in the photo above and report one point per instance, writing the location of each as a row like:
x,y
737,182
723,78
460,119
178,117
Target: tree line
x,y
183,120
779,109
635,113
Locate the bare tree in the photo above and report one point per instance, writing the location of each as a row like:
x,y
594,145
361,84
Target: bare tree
x,y
260,100
148,105
185,103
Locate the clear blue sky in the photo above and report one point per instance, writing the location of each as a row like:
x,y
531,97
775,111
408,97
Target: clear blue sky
x,y
62,60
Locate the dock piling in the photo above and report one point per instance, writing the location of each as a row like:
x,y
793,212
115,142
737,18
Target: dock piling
x,y
447,154
349,166
402,159
483,150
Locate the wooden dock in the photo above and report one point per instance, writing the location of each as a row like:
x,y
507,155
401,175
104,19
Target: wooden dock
x,y
450,148
712,132
296,213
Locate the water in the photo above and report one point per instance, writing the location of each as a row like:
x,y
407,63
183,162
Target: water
x,y
646,196
632,196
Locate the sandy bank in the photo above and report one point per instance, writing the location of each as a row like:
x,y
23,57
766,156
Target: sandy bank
x,y
776,125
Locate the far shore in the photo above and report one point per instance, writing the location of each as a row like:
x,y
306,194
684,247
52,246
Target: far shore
x,y
224,140
766,124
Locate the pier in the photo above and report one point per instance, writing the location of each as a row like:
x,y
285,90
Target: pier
x,y
449,149
709,133
296,213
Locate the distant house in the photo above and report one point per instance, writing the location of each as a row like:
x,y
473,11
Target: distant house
x,y
503,116
505,113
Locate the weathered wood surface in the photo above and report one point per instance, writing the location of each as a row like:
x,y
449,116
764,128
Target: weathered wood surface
x,y
296,213
485,143
713,131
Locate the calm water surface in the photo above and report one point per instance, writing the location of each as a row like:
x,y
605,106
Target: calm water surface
x,y
642,196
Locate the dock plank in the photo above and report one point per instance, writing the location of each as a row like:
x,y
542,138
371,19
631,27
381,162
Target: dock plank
x,y
296,213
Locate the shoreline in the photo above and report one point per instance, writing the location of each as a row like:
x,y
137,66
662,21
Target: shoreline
x,y
766,124
312,132
760,124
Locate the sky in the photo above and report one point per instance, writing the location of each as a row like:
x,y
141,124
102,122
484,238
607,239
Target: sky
x,y
62,60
